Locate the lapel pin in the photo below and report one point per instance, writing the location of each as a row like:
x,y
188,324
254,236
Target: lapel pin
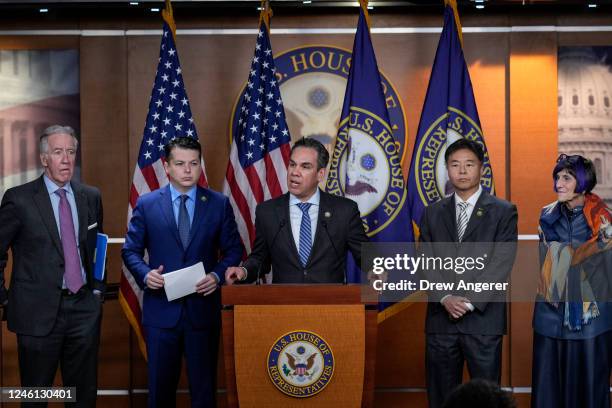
x,y
327,214
479,212
203,198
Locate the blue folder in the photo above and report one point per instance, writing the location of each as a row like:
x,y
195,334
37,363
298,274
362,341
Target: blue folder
x,y
100,256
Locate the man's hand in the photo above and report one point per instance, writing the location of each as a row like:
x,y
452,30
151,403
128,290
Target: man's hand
x,y
207,284
456,306
371,276
234,273
155,279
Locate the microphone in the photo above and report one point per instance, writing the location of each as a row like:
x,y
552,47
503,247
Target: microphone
x,y
281,225
324,224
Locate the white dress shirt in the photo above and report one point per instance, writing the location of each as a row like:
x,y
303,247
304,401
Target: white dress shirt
x,y
470,201
295,215
469,209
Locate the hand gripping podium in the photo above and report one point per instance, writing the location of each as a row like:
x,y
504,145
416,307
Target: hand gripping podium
x,y
298,346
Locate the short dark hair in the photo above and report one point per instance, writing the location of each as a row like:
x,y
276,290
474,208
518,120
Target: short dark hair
x,y
479,393
581,168
322,153
188,143
464,143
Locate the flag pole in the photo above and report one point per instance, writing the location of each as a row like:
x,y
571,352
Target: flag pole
x,y
168,16
453,5
266,13
364,7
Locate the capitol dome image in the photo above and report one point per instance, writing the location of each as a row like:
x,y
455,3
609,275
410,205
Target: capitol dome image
x,y
585,109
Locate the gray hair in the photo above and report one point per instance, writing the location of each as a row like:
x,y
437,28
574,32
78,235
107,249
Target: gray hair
x,y
43,145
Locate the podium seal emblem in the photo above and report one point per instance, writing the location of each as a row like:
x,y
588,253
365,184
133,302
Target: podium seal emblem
x,y
300,364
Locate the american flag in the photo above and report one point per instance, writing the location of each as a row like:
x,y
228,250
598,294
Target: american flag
x,y
257,169
169,117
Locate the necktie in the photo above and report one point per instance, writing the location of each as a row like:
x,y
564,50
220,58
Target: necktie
x,y
305,233
184,225
72,263
462,219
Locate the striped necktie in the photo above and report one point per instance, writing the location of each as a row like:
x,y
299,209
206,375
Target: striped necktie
x,y
305,233
462,219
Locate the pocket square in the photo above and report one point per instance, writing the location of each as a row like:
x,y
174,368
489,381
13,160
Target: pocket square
x,y
92,226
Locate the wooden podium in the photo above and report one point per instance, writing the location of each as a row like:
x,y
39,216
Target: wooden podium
x,y
256,317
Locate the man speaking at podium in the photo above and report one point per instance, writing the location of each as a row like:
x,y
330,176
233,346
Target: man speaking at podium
x,y
304,234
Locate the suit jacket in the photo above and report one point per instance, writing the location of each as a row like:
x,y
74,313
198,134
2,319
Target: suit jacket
x,y
29,229
492,221
214,241
339,229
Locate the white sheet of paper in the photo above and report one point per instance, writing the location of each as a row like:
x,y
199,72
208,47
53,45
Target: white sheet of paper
x,y
182,282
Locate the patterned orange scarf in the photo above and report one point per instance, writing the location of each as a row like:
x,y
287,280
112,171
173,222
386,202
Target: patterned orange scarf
x,y
560,257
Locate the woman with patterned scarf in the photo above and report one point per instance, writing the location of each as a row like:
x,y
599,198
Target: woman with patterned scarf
x,y
572,321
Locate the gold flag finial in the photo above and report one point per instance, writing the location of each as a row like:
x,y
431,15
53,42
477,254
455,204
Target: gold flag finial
x,y
453,4
168,16
364,7
266,13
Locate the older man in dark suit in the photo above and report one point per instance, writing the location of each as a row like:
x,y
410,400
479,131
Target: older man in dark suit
x,y
54,301
305,234
463,326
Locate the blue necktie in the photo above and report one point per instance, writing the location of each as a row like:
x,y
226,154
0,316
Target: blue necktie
x,y
184,225
305,233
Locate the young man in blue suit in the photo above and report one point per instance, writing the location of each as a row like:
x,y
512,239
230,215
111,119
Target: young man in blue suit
x,y
180,225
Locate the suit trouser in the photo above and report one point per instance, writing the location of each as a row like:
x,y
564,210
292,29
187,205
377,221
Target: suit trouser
x,y
165,349
73,344
444,358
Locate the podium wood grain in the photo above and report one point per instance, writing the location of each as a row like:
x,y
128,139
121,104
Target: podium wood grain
x,y
315,295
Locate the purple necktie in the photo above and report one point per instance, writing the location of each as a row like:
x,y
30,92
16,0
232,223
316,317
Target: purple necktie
x,y
72,273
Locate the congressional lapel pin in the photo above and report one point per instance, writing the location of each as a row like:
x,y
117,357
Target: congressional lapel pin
x,y
480,212
203,198
327,214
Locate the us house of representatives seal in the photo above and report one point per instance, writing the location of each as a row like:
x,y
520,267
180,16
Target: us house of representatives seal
x,y
300,364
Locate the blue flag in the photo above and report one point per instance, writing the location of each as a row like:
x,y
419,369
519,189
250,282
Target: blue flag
x,y
449,113
366,162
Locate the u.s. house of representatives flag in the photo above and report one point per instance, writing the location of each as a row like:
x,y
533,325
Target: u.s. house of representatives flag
x,y
366,164
169,116
259,155
449,113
